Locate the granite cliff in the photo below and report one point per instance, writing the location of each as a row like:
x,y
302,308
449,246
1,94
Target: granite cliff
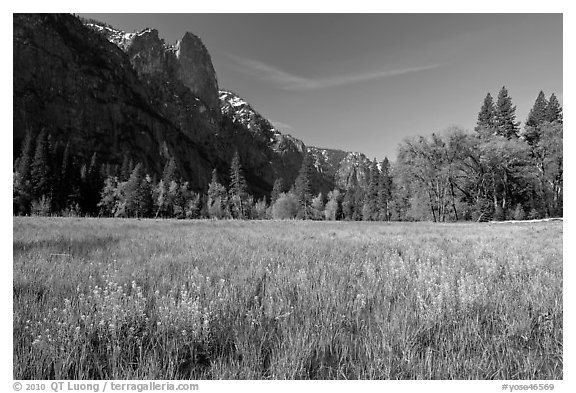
x,y
131,94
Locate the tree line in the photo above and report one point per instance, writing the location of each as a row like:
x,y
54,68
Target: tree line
x,y
497,172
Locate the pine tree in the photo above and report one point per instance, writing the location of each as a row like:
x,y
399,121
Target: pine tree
x,y
25,160
359,198
384,191
163,195
21,184
506,124
370,209
40,169
179,194
172,198
138,193
217,203
170,171
486,117
94,185
302,188
65,177
74,181
277,189
193,205
126,168
536,117
538,113
554,110
146,202
238,188
110,198
348,205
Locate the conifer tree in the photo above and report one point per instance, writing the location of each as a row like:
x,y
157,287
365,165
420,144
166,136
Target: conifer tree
x,y
94,185
217,203
40,169
179,194
302,188
110,198
25,161
536,117
238,187
193,206
348,204
126,168
351,206
170,171
506,124
359,198
65,176
277,189
165,191
486,117
370,210
538,113
384,191
138,193
74,181
554,110
22,187
172,198
146,202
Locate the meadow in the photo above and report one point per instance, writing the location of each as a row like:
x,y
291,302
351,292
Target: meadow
x,y
167,299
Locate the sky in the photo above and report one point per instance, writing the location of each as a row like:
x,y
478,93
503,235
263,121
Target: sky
x,y
364,82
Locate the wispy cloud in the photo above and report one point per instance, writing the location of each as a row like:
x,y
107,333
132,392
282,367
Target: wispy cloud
x,y
288,81
280,125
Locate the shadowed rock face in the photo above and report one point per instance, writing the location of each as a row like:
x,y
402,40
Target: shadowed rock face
x,y
83,89
118,93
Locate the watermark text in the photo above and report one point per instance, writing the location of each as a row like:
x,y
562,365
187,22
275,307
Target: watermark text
x,y
528,386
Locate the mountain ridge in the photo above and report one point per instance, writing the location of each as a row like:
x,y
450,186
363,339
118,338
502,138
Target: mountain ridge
x,y
131,93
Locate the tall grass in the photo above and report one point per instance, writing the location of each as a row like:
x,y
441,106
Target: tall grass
x,y
127,299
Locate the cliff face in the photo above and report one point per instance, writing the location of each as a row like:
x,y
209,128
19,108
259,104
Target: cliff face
x,y
84,89
338,168
353,169
118,93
